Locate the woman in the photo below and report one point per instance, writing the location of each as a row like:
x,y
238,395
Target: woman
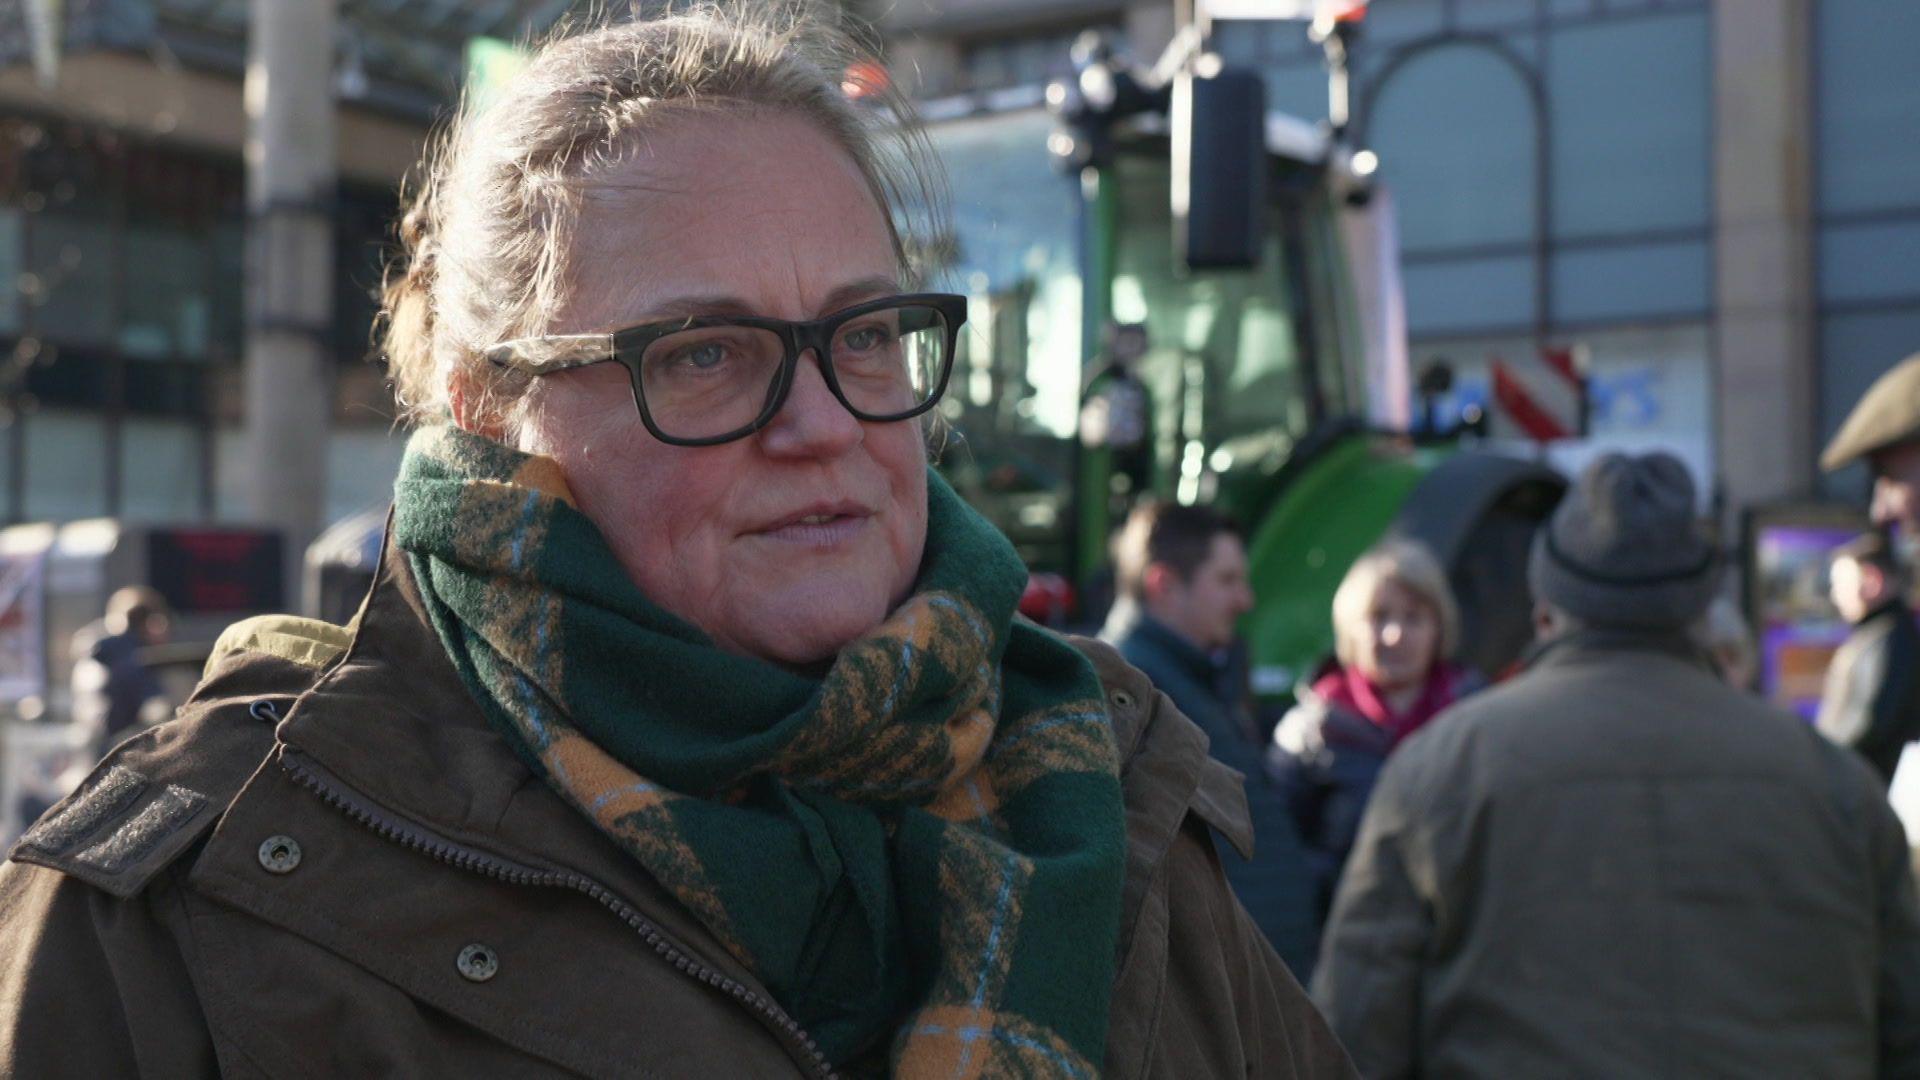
x,y
1394,625
687,730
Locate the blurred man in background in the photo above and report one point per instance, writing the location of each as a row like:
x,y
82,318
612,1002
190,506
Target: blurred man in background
x,y
1884,429
1616,864
1182,576
1871,702
114,691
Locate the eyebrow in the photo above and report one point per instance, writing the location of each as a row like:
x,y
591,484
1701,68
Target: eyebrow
x,y
847,295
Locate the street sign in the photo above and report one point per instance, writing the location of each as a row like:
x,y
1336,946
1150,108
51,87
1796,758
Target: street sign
x,y
1543,399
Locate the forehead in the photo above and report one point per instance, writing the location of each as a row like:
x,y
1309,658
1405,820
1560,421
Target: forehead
x,y
1226,551
762,211
1391,590
1900,461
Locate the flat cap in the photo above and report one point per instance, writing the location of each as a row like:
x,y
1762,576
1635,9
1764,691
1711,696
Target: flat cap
x,y
1888,414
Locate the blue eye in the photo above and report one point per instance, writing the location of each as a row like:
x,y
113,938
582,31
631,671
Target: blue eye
x,y
704,357
866,338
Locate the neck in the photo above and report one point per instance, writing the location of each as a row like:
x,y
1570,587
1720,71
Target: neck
x,y
1401,698
1180,629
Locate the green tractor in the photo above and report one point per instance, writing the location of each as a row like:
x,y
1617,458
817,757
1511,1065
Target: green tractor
x,y
1197,307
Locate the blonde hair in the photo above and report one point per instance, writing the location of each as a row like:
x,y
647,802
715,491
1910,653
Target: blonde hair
x,y
485,238
1408,564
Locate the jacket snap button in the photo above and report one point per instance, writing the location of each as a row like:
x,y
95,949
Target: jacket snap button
x,y
280,854
477,963
1123,699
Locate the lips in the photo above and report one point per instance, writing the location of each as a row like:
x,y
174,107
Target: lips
x,y
818,525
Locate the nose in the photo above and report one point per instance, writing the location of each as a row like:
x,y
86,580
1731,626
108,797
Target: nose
x,y
811,422
1390,634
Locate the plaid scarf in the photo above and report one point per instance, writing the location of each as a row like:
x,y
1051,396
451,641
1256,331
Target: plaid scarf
x,y
919,852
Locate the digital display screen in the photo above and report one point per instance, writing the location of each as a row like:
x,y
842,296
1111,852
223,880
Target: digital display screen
x,y
211,571
1799,626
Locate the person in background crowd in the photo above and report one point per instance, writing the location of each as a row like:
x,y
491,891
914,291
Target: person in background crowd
x,y
1395,623
1725,635
1617,865
1871,701
1182,575
1884,430
687,729
114,691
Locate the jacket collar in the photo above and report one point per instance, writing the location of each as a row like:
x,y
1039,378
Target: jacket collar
x,y
1597,641
1890,611
393,721
1175,648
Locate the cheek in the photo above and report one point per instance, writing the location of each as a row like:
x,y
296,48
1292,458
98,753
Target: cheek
x,y
1425,636
646,497
900,453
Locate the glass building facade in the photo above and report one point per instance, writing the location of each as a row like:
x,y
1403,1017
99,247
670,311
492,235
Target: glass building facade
x,y
122,318
1866,202
1551,163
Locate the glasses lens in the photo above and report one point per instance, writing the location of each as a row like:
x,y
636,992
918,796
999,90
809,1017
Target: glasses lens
x,y
889,362
709,381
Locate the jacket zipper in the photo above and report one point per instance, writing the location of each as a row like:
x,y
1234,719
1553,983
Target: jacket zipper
x,y
798,1044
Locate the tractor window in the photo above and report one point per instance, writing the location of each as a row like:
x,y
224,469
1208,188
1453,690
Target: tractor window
x,y
1227,345
1013,401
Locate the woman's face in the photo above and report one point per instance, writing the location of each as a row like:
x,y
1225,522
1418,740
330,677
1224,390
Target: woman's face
x,y
1396,648
793,541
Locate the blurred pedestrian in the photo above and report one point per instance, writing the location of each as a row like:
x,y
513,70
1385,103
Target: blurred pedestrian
x,y
1617,865
115,692
1871,701
1395,623
1727,638
1884,430
1182,575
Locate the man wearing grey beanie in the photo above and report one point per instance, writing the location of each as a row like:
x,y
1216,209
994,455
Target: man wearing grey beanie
x,y
1617,865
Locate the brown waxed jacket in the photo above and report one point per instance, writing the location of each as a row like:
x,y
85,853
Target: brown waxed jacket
x,y
329,865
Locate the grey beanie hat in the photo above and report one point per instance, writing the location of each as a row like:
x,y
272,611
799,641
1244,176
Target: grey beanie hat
x,y
1624,547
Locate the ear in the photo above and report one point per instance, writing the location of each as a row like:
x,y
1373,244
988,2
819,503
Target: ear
x,y
1159,580
1542,620
464,396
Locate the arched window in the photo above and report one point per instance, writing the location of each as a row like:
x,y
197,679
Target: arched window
x,y
1458,136
1455,129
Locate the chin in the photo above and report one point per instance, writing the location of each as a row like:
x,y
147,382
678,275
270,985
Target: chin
x,y
813,629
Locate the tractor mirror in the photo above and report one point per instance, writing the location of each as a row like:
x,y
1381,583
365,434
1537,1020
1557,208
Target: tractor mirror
x,y
1219,169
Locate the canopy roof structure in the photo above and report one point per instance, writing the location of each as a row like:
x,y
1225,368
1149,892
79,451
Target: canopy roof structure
x,y
400,56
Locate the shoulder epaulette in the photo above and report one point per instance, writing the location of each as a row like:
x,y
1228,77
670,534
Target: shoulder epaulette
x,y
158,793
310,643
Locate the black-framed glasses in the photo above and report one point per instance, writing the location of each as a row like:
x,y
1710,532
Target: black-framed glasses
x,y
711,379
